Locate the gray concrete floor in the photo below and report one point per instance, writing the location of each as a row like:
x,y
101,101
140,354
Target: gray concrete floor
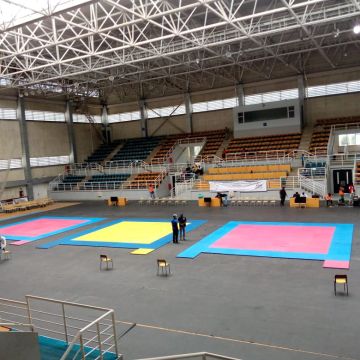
x,y
247,307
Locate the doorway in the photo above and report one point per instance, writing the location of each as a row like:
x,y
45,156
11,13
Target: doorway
x,y
342,178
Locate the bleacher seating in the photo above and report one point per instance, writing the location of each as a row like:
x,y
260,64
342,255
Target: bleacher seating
x,y
104,181
214,139
70,181
314,168
321,133
136,149
285,142
101,153
73,179
143,180
213,143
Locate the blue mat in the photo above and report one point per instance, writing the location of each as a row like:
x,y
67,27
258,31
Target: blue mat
x,y
53,349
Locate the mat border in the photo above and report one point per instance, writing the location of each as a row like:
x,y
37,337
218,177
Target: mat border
x,y
48,234
69,240
340,246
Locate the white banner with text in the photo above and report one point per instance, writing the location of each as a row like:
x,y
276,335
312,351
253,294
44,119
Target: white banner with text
x,y
241,185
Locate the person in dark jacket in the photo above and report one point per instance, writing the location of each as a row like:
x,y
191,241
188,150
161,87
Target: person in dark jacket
x,y
175,229
182,225
283,195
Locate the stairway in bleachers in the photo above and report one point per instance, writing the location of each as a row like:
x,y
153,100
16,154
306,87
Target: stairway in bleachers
x,y
213,143
214,139
306,137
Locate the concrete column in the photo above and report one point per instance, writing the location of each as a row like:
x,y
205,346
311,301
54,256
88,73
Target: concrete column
x,y
105,124
240,94
301,89
189,119
144,118
71,132
20,113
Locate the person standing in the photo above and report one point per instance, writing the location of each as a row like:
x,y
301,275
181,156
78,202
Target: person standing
x,y
341,196
351,188
283,196
2,243
152,191
175,229
182,226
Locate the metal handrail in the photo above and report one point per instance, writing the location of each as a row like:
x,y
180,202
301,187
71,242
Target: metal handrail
x,y
80,333
259,155
104,345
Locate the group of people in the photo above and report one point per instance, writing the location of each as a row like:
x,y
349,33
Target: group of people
x,y
178,225
328,197
196,169
297,196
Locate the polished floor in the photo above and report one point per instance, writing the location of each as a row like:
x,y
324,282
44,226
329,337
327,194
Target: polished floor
x,y
247,307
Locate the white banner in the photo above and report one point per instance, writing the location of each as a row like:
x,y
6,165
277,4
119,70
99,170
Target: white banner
x,y
241,185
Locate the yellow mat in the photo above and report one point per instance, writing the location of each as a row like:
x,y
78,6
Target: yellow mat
x,y
142,251
134,232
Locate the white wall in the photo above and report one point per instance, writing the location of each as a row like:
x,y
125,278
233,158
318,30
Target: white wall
x,y
213,120
167,126
332,106
10,142
86,140
40,191
126,130
47,171
48,138
11,193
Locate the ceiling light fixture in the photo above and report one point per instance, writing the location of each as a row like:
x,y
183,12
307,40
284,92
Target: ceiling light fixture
x,y
356,29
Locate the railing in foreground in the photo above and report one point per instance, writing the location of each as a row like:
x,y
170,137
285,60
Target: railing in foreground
x,y
193,356
93,333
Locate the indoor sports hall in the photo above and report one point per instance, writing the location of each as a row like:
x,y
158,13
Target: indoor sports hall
x,y
179,179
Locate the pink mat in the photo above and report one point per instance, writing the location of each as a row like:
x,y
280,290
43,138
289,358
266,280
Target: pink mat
x,y
307,239
39,227
336,264
18,243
